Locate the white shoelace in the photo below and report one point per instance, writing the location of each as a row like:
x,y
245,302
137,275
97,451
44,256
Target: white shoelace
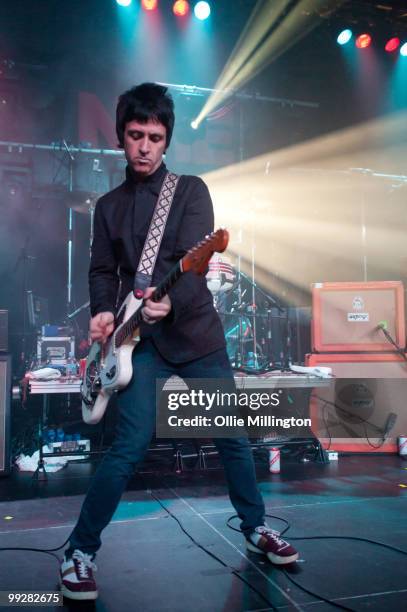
x,y
85,563
272,532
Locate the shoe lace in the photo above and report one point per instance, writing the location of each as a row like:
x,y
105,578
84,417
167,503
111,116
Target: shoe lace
x,y
85,563
272,533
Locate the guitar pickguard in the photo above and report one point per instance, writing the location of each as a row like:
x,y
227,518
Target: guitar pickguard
x,y
108,369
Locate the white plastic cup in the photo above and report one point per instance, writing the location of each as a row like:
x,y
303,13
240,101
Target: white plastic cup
x,y
274,460
402,442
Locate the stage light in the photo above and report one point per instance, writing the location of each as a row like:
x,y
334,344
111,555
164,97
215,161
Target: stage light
x,y
202,10
344,37
363,41
180,8
149,5
392,44
403,49
123,2
194,124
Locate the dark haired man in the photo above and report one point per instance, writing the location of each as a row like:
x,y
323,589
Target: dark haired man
x,y
181,335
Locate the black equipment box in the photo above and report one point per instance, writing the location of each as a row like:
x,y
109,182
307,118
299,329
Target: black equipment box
x,y
55,350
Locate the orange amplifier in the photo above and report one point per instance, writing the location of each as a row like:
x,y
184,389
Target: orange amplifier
x,y
364,409
347,317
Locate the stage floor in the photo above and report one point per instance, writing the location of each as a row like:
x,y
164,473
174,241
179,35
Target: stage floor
x,y
147,563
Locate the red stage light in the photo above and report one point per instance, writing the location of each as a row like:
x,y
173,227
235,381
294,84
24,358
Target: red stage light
x,y
149,5
392,44
363,41
180,8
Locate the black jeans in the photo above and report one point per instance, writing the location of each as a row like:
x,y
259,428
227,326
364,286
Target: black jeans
x,y
135,429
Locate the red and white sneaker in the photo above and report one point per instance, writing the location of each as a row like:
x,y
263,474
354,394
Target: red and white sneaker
x,y
77,581
267,541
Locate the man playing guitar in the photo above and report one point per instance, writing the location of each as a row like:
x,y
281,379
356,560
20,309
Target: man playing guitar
x,y
180,335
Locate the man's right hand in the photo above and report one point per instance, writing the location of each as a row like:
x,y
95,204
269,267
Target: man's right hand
x,y
101,326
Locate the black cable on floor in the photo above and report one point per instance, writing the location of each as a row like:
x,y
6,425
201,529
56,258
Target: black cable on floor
x,y
235,572
328,537
300,586
40,550
325,537
313,594
297,584
208,552
50,551
278,518
333,603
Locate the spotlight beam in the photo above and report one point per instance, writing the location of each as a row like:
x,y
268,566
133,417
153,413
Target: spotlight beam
x,y
314,210
260,22
267,35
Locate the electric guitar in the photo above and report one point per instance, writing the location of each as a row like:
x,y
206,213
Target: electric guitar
x,y
109,365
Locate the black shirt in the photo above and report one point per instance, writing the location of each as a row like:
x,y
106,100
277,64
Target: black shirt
x,y
122,218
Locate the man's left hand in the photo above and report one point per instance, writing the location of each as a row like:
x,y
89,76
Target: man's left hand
x,y
154,311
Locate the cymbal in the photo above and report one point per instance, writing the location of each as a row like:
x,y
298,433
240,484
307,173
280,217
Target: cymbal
x,y
81,201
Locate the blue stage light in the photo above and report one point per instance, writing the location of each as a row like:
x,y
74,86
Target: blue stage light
x,y
403,49
344,37
202,10
124,2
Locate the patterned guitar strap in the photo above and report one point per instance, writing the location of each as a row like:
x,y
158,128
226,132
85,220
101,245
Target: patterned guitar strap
x,y
144,274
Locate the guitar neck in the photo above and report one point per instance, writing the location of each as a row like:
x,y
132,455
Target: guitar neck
x,y
169,281
130,326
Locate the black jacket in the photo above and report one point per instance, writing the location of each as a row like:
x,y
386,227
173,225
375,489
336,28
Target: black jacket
x,y
122,217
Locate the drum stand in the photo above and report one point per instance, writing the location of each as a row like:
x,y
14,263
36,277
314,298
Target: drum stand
x,y
239,360
284,311
240,347
254,312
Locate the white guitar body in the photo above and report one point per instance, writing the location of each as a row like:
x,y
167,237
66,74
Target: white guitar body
x,y
108,369
109,366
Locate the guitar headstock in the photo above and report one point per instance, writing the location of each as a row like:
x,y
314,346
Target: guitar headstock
x,y
198,257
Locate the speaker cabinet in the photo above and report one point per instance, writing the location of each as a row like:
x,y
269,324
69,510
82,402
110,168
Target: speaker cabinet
x,y
366,399
5,398
346,316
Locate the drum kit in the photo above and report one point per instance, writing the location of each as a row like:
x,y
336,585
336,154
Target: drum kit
x,y
248,328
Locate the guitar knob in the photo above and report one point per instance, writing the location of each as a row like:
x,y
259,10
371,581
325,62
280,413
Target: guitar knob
x,y
111,373
97,384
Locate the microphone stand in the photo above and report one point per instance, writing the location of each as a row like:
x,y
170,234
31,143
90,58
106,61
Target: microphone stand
x,y
71,161
72,315
262,292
